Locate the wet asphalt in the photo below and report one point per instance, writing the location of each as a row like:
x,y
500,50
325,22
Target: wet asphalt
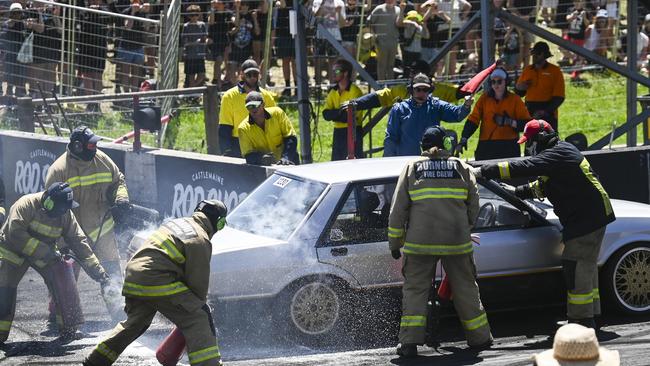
x,y
518,335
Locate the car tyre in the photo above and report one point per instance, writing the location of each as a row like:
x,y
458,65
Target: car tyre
x,y
626,280
313,311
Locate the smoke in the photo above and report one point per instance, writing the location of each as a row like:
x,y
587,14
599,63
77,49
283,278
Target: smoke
x,y
276,208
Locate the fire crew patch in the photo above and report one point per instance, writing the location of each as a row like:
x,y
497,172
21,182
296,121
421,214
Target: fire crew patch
x,y
181,228
437,169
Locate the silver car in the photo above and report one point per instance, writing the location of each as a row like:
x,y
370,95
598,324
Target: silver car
x,y
311,236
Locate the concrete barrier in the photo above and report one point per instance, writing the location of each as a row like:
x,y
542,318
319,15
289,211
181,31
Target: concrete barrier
x,y
172,182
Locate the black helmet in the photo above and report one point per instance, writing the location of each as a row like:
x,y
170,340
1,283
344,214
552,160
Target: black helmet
x,y
83,143
58,199
216,212
438,137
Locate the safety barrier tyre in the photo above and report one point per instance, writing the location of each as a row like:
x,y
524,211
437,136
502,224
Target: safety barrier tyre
x,y
626,279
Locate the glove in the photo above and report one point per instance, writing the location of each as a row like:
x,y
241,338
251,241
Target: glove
x,y
268,159
508,188
396,254
469,100
476,171
461,146
498,119
52,256
348,103
104,280
285,161
2,218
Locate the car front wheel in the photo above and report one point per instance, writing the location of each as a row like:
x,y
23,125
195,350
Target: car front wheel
x,y
627,279
312,310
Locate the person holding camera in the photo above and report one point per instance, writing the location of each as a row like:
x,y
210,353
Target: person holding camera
x,y
13,35
499,115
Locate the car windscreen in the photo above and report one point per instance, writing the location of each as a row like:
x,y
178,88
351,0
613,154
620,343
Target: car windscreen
x,y
276,207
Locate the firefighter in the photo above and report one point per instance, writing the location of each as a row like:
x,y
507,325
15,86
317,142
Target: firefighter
x,y
98,186
28,239
436,188
579,201
170,274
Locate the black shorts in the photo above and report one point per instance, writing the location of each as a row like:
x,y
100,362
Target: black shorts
x,y
285,47
194,66
324,48
239,55
217,49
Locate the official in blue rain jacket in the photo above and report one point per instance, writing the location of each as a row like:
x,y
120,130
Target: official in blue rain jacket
x,y
409,119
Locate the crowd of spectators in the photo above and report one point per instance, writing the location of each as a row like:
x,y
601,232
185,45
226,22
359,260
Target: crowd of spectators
x,y
224,33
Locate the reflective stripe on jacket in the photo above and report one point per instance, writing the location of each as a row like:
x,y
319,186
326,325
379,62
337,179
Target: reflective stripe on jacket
x,y
96,184
174,259
434,206
31,234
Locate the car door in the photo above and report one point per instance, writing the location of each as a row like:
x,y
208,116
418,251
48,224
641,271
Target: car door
x,y
510,241
356,239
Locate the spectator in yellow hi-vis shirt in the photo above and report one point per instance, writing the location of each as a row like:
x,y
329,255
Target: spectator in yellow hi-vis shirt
x,y
233,111
266,135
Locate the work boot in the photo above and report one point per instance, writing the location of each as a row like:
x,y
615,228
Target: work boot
x,y
482,346
407,350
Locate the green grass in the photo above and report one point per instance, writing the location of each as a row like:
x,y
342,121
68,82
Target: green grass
x,y
590,109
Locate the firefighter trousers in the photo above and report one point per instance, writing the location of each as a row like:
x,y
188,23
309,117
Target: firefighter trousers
x,y
419,272
185,310
10,276
580,269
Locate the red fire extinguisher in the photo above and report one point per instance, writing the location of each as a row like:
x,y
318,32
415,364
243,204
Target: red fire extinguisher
x,y
65,294
444,291
171,349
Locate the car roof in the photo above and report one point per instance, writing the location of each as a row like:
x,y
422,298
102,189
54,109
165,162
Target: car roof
x,y
350,170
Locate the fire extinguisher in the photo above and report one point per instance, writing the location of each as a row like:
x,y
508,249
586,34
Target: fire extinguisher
x,y
444,291
65,294
171,349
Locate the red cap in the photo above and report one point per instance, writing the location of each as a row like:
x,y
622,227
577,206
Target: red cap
x,y
533,127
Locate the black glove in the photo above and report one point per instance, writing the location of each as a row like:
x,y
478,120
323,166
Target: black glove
x,y
104,278
268,159
396,254
52,257
2,218
461,146
120,210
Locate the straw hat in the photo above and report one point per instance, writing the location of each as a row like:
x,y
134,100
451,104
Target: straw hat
x,y
575,345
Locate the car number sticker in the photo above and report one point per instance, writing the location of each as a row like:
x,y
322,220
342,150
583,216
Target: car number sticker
x,y
282,182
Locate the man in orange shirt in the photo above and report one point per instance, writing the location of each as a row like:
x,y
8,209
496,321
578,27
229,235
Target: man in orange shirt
x,y
499,115
542,84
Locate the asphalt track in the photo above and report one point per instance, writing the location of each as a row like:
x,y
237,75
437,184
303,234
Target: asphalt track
x,y
518,335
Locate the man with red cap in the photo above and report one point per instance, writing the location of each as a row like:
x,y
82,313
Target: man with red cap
x,y
579,201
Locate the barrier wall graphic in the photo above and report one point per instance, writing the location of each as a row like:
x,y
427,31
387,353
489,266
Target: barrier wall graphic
x,y
170,181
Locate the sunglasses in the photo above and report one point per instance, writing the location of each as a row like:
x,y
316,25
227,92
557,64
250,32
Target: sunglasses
x,y
252,74
496,81
252,107
421,90
337,71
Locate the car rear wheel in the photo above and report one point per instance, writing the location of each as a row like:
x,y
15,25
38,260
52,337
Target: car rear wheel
x,y
312,310
627,279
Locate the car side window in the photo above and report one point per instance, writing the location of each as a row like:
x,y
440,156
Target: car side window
x,y
363,218
495,212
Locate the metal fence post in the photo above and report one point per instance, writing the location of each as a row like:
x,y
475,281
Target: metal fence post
x,y
25,114
211,103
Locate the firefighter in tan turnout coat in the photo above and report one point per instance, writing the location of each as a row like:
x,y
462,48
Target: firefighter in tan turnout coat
x,y
28,238
170,274
98,185
433,210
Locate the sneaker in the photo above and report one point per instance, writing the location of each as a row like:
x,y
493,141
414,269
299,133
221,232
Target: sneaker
x,y
407,350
